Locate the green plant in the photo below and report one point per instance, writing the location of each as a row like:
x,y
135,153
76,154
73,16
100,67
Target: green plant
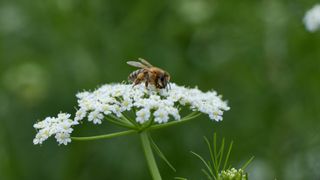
x,y
218,167
138,110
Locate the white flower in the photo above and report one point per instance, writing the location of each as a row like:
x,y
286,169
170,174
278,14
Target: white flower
x,y
96,117
143,115
107,109
63,138
117,110
43,124
126,104
41,136
216,115
174,112
312,18
80,114
161,116
65,127
61,127
116,99
63,116
120,100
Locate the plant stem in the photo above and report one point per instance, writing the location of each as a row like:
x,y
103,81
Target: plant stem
x,y
185,119
155,127
119,123
149,155
105,136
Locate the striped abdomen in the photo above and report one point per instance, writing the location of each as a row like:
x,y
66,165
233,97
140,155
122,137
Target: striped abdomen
x,y
134,74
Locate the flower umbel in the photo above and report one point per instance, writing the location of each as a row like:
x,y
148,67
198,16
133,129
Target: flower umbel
x,y
117,98
59,126
115,103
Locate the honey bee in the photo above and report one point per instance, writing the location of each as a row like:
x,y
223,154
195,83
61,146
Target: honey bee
x,y
148,74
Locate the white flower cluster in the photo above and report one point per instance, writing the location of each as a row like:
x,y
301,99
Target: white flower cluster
x,y
232,174
113,100
312,18
158,104
59,126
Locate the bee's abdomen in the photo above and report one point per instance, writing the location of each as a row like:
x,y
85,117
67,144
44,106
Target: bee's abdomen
x,y
134,74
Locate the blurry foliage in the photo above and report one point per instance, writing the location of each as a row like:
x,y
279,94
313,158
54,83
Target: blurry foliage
x,y
256,53
217,166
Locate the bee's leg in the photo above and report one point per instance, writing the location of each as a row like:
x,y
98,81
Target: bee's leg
x,y
139,79
147,79
156,83
136,82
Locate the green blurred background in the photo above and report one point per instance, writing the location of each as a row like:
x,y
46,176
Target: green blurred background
x,y
256,53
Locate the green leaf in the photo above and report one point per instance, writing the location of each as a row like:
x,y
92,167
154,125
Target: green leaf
x,y
180,178
220,154
207,174
213,159
204,162
227,156
247,163
160,154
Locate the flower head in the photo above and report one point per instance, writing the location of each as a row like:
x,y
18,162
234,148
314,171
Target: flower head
x,y
116,101
232,174
60,126
118,98
312,18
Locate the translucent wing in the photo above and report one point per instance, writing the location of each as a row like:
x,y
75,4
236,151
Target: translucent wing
x,y
145,62
136,64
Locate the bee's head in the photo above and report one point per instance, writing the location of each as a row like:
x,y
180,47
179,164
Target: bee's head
x,y
163,80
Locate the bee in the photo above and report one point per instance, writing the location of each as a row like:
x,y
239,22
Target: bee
x,y
148,74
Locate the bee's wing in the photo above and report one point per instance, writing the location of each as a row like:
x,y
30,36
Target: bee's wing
x,y
136,64
145,62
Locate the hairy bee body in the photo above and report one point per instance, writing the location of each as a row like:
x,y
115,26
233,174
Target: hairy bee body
x,y
148,74
135,74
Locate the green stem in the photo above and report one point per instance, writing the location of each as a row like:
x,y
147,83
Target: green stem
x,y
121,120
146,125
119,123
132,121
149,156
155,127
105,136
187,118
